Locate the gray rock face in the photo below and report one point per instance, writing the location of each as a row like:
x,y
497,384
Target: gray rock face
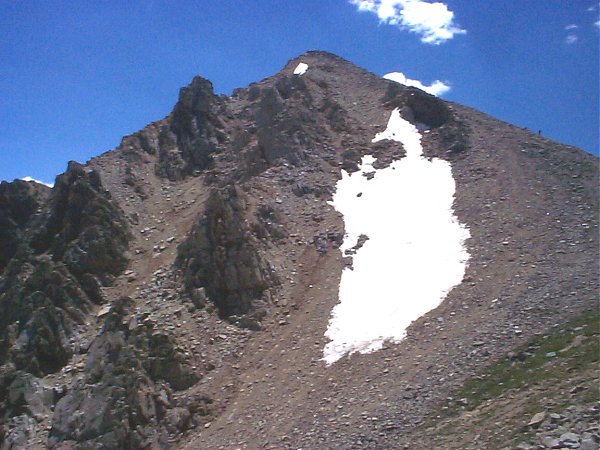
x,y
22,429
38,315
422,108
286,129
25,394
193,132
221,256
270,105
126,392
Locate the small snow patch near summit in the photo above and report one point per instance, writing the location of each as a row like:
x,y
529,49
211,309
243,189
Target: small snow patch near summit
x,y
301,69
415,253
28,178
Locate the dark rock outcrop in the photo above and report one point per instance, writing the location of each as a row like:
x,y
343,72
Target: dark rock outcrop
x,y
42,308
194,132
81,237
39,314
67,248
419,107
221,256
416,105
83,227
186,140
24,401
19,201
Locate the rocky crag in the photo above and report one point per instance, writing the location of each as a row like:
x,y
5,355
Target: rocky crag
x,y
174,292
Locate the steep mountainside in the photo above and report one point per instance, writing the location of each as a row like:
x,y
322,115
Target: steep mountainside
x,y
174,292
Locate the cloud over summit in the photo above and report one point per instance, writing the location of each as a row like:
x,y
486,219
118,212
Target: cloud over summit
x,y
436,88
433,22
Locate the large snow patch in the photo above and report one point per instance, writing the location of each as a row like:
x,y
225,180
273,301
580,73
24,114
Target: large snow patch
x,y
415,253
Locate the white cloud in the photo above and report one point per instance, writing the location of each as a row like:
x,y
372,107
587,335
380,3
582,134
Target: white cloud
x,y
434,22
594,9
37,181
571,36
436,88
571,39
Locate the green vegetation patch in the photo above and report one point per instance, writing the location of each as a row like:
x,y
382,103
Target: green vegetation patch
x,y
561,353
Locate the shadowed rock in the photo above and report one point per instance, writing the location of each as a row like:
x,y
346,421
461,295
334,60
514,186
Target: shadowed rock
x,y
221,255
67,248
19,201
417,106
83,227
193,133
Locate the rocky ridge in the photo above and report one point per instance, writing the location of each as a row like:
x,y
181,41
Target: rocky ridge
x,y
180,284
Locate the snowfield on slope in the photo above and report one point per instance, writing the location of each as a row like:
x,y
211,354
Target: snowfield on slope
x,y
415,253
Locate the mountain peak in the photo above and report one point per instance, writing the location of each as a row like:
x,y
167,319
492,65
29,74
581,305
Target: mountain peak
x,y
195,281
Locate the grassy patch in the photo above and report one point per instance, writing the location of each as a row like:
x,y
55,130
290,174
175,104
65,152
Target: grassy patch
x,y
554,356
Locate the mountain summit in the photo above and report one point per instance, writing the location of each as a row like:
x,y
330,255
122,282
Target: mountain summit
x,y
325,259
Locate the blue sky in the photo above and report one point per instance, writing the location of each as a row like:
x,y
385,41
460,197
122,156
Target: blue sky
x,y
76,76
